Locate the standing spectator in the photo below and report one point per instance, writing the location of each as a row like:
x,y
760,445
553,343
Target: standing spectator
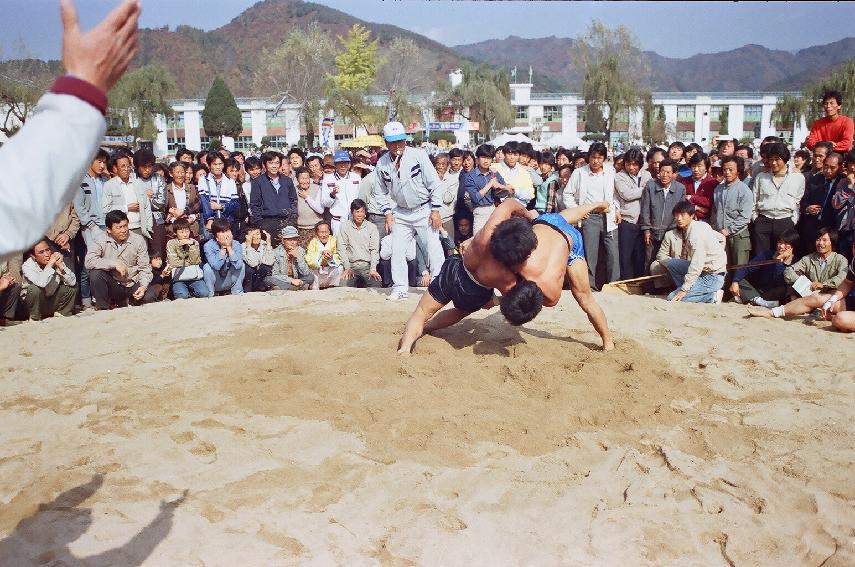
x,y
49,285
816,207
733,204
62,232
449,183
629,186
218,194
309,209
339,189
463,223
700,186
274,198
323,258
224,270
183,256
777,196
153,186
182,201
518,180
659,198
122,194
802,162
10,294
290,271
479,185
359,246
90,213
699,272
726,146
653,158
316,168
118,263
258,259
242,215
591,184
253,169
455,158
296,158
548,193
833,127
843,206
407,190
184,156
765,285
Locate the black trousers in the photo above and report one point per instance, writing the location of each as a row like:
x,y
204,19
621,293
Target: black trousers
x,y
9,298
767,232
631,250
253,278
274,226
106,290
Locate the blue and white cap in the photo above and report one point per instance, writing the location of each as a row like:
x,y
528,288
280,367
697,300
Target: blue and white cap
x,y
340,156
394,132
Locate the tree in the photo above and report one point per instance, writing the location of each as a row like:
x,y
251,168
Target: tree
x,y
22,83
652,121
484,96
298,70
402,76
612,68
356,70
137,99
788,110
221,115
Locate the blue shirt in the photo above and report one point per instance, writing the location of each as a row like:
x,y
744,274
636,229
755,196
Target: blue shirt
x,y
474,182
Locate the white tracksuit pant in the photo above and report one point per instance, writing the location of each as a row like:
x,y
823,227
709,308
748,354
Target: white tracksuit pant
x,y
408,224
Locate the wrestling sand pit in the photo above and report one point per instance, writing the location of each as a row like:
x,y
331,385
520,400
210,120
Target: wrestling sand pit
x,y
282,429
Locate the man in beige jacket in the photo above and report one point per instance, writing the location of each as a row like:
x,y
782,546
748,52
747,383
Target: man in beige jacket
x,y
699,272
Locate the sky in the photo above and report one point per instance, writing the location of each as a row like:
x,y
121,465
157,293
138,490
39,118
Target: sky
x,y
32,27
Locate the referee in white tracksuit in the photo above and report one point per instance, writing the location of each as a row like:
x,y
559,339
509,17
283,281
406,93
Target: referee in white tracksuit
x,y
407,190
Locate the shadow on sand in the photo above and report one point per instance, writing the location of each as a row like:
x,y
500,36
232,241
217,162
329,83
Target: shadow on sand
x,y
44,537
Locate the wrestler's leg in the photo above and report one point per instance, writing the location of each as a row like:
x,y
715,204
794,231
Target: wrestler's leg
x,y
415,327
581,289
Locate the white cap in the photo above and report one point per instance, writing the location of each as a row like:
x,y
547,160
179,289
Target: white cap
x,y
394,132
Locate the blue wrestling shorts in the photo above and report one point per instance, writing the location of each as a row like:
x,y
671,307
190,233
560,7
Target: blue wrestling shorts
x,y
568,231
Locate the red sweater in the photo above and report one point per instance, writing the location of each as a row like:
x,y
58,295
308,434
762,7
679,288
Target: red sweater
x,y
704,195
838,131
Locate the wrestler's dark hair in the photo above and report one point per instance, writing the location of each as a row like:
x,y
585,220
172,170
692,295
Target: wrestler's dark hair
x,y
512,241
522,303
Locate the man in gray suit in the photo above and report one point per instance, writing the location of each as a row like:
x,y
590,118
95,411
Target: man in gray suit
x,y
658,200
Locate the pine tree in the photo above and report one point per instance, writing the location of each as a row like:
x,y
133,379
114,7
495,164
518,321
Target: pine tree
x,y
221,115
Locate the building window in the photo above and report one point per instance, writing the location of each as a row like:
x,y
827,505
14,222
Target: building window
x,y
522,112
172,144
204,141
278,120
243,142
717,111
686,113
552,114
753,113
175,121
622,116
687,136
246,119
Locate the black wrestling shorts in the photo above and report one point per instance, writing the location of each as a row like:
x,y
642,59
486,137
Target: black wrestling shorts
x,y
453,285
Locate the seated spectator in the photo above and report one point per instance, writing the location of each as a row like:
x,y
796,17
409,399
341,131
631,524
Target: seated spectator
x,y
700,186
183,256
182,201
825,268
224,270
49,285
290,271
671,247
258,258
661,194
10,293
118,264
765,285
359,244
826,298
323,258
699,272
463,223
161,280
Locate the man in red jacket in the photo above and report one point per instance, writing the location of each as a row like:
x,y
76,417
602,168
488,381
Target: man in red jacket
x,y
700,187
833,127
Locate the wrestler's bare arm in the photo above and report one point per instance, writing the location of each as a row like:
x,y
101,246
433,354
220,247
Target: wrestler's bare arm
x,y
576,214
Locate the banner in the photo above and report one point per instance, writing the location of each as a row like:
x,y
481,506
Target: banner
x,y
327,126
445,126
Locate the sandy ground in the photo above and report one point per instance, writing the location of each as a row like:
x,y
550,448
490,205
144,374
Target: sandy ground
x,y
283,430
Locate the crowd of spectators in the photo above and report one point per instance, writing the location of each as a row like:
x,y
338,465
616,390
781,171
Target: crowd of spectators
x,y
705,224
